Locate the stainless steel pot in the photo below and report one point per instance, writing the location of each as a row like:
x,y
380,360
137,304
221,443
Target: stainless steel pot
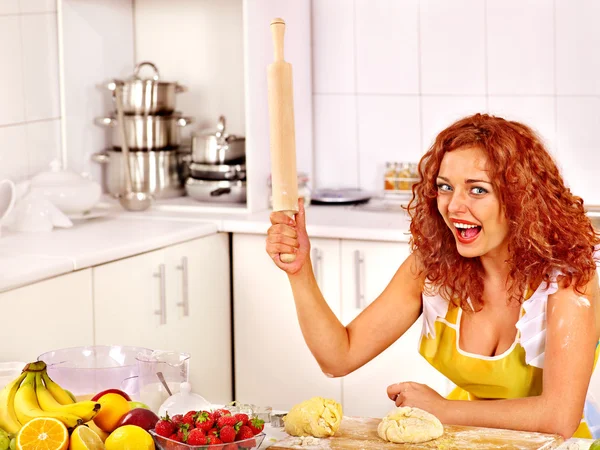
x,y
216,191
147,132
218,171
217,148
147,95
160,173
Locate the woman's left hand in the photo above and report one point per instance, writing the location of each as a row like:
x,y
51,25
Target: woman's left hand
x,y
419,396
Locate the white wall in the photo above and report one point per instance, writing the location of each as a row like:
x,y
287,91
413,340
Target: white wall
x,y
389,75
29,88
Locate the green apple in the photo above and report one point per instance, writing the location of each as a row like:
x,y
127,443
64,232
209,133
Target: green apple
x,y
138,405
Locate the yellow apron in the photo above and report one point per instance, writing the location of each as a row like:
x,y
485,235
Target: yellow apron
x,y
481,377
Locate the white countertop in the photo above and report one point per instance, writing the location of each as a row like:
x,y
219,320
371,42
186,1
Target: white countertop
x,y
26,258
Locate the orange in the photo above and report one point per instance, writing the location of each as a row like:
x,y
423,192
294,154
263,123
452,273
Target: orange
x,y
113,407
129,437
43,433
103,434
85,439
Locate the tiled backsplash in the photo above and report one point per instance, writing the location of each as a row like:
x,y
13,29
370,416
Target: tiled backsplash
x,y
29,87
389,75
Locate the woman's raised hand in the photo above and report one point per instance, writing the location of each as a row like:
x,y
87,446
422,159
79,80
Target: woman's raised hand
x,y
288,236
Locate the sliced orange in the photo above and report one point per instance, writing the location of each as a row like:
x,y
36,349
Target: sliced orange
x,y
85,439
43,433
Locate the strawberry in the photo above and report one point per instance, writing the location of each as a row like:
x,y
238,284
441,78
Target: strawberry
x,y
204,421
177,419
175,437
215,440
227,434
221,412
245,434
189,418
256,425
242,418
231,446
164,427
183,432
196,437
226,420
213,432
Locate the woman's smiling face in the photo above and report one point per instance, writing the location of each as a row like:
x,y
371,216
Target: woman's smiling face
x,y
469,205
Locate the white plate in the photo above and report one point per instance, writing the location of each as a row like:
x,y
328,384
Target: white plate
x,y
93,213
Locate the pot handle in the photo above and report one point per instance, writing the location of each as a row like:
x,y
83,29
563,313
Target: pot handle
x,y
100,157
220,191
139,66
105,121
179,88
183,121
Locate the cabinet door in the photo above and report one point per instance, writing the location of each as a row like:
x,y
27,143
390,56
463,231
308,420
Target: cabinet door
x,y
199,311
273,365
367,268
129,296
49,315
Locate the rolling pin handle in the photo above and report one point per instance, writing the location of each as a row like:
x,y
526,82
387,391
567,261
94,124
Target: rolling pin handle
x,y
288,257
277,31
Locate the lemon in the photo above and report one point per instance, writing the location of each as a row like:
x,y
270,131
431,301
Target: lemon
x,y
129,437
85,439
595,445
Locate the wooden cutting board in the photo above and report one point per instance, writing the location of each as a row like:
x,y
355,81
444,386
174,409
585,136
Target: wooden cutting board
x,y
358,433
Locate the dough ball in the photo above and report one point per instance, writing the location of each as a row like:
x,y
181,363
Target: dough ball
x,y
318,417
409,425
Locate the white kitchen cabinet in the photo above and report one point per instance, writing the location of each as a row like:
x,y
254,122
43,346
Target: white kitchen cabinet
x,y
367,268
273,365
176,298
49,315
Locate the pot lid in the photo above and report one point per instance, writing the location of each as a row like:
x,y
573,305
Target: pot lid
x,y
57,176
138,78
219,135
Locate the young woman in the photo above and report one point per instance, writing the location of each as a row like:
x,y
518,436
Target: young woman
x,y
503,269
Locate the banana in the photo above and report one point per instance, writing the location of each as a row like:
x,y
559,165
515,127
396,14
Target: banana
x,y
59,394
27,406
86,410
8,418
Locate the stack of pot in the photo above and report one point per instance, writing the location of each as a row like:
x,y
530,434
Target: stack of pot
x,y
218,168
153,135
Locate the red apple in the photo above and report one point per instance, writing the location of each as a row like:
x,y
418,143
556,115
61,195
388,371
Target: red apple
x,y
111,391
143,418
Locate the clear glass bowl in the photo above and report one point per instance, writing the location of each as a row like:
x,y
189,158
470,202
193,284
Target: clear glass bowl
x,y
85,371
163,443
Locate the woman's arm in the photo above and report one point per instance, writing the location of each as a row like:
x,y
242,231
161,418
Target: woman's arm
x,y
571,339
340,350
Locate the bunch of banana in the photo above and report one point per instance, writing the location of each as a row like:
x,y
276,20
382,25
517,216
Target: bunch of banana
x,y
33,394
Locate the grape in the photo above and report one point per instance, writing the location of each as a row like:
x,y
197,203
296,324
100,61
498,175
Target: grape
x,y
4,442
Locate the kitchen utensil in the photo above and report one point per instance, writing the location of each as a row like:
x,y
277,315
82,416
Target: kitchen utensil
x,y
182,402
161,378
361,432
129,199
282,132
216,191
147,95
34,213
174,367
340,196
8,196
161,173
145,133
68,191
218,171
217,148
86,371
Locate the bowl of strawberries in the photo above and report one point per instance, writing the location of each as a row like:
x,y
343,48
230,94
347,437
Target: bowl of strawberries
x,y
215,430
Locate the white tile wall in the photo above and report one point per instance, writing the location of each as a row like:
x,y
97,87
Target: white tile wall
x,y
415,66
29,88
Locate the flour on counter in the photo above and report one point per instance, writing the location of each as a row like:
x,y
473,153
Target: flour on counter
x,y
307,442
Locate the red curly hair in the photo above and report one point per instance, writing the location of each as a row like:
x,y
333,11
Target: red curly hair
x,y
548,227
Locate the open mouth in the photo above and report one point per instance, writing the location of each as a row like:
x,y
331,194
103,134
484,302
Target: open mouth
x,y
467,232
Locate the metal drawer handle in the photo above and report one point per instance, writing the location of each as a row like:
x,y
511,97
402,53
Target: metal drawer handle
x,y
317,257
162,312
358,279
185,303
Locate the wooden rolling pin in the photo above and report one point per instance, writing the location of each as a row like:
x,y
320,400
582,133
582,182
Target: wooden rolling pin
x,y
284,179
